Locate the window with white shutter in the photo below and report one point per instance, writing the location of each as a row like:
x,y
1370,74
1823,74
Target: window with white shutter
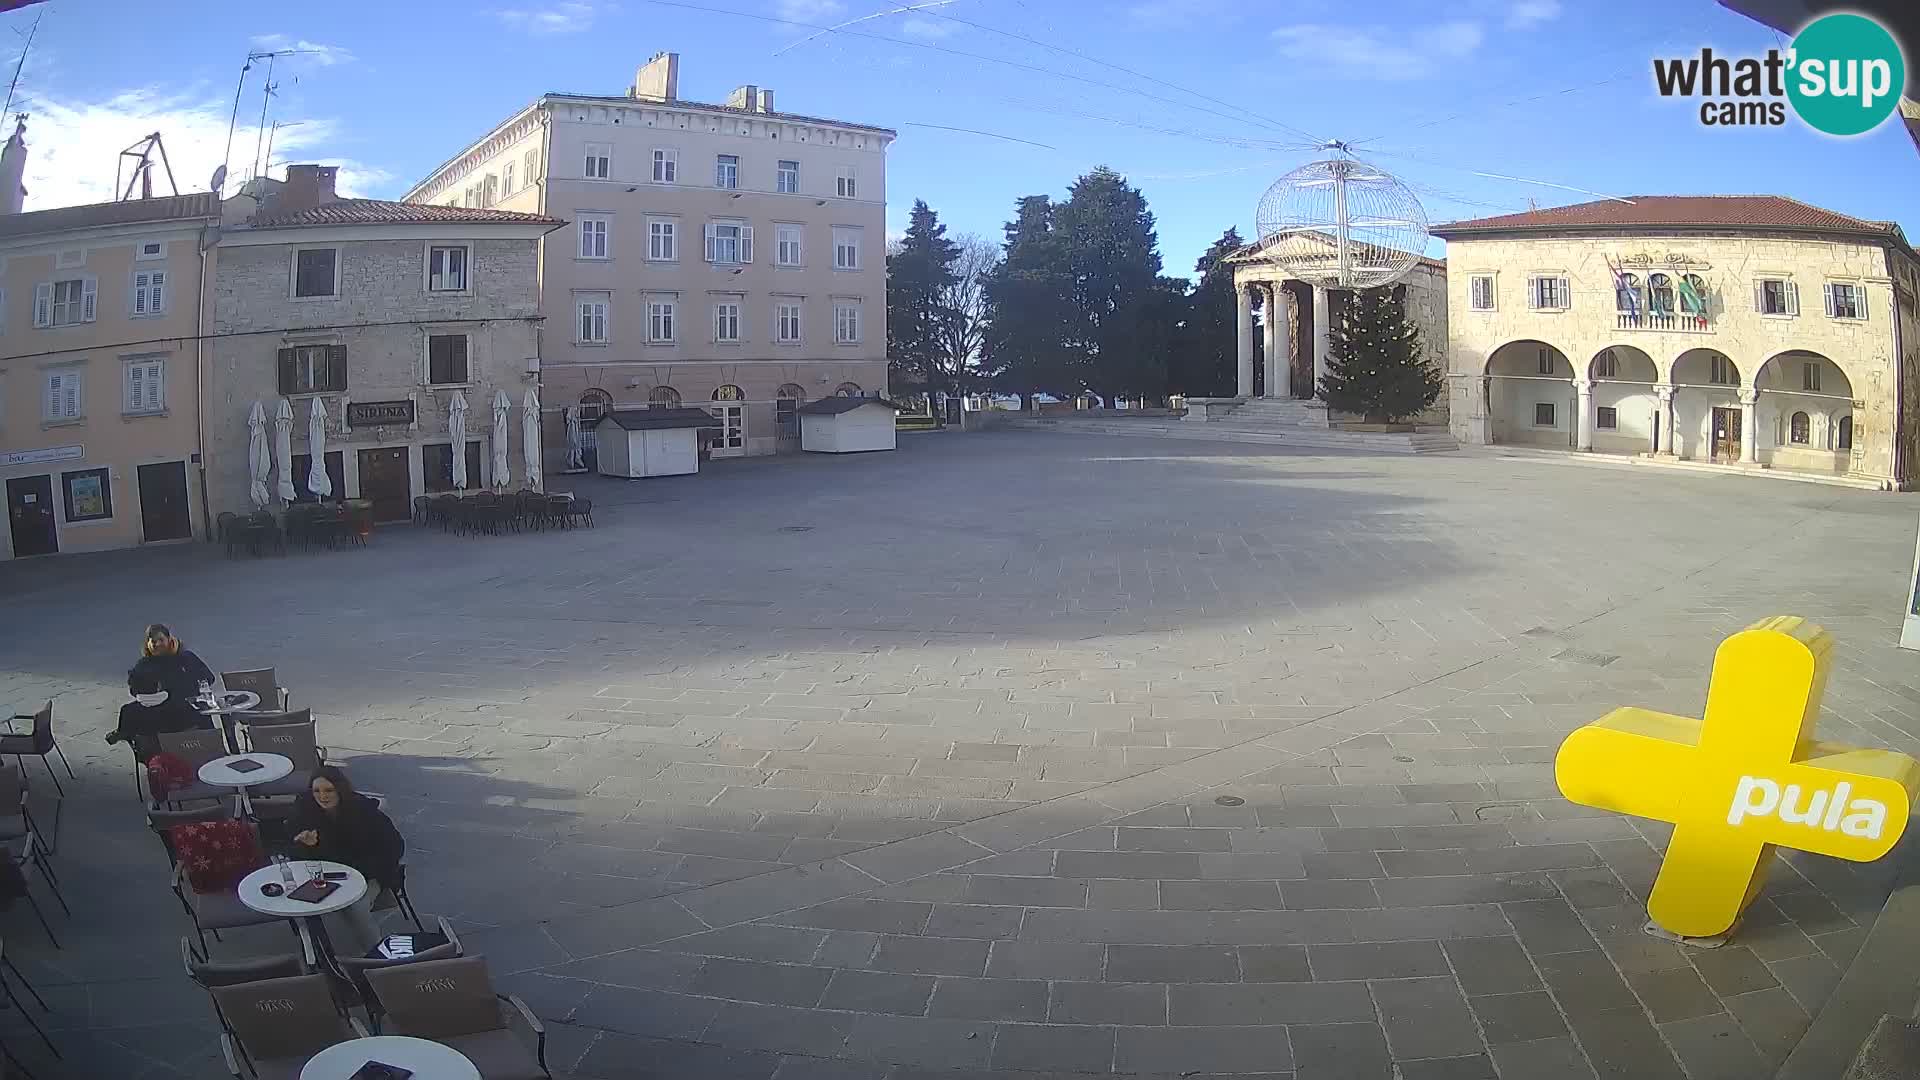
x,y
729,242
1480,286
726,321
660,319
150,292
662,237
1845,300
1548,293
146,385
63,303
846,321
846,182
64,398
787,323
726,171
1776,296
846,249
593,237
592,311
786,245
666,166
599,164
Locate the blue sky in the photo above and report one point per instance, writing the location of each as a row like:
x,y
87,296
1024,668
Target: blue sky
x,y
1208,102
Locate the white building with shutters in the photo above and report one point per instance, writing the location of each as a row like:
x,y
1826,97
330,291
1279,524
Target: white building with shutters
x,y
729,257
1750,332
98,385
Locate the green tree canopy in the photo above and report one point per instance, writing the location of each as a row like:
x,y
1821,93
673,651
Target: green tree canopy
x,y
920,271
1373,359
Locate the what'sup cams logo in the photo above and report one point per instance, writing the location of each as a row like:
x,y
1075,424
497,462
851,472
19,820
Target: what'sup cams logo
x,y
1843,75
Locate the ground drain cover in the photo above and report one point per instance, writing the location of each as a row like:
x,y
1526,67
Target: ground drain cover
x,y
1230,800
796,528
1500,812
1575,656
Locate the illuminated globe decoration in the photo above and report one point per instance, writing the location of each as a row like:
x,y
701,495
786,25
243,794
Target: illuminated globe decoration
x,y
1342,223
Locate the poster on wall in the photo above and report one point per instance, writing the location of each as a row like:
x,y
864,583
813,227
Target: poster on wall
x,y
1910,626
89,497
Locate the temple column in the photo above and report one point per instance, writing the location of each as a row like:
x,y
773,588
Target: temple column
x,y
1243,323
1278,352
1322,320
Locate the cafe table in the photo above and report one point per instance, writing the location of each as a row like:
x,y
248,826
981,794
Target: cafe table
x,y
353,886
428,1060
224,707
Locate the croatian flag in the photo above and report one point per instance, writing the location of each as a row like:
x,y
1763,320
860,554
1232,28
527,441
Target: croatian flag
x,y
1626,292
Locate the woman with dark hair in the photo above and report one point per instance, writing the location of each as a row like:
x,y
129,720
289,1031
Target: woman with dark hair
x,y
332,821
180,673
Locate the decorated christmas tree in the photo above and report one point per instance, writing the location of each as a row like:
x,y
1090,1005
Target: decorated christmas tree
x,y
1374,367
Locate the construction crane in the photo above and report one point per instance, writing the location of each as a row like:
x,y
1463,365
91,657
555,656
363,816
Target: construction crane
x,y
142,154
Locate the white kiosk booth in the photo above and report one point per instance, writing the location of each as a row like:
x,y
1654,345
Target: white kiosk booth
x,y
651,442
847,425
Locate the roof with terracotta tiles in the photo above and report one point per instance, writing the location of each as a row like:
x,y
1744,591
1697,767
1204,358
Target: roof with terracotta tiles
x,y
1675,211
199,204
383,212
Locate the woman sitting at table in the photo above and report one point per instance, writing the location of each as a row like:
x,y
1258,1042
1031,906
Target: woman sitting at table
x,y
181,673
154,709
336,823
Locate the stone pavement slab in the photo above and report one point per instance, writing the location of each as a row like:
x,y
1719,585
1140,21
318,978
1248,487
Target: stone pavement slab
x,y
1176,759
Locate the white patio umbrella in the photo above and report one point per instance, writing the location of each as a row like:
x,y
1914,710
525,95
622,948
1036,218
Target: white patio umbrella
x,y
457,427
576,454
318,481
258,463
283,448
530,437
502,470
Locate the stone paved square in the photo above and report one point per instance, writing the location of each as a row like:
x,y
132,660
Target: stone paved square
x,y
1011,754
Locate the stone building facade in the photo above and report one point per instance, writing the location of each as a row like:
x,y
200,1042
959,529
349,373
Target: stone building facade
x,y
385,313
729,257
100,321
1753,332
1283,327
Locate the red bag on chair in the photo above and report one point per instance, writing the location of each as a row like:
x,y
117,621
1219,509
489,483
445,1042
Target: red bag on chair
x,y
166,772
217,854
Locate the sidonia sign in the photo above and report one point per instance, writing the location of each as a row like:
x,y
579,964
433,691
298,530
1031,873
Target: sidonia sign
x,y
1746,777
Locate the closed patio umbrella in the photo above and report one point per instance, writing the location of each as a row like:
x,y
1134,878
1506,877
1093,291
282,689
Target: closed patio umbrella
x,y
457,427
258,463
318,481
502,469
283,447
530,437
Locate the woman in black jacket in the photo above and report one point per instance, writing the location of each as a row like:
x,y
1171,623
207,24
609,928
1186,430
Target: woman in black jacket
x,y
332,821
154,709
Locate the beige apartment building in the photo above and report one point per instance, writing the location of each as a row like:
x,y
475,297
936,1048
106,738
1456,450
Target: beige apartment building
x,y
724,256
100,323
388,318
1749,331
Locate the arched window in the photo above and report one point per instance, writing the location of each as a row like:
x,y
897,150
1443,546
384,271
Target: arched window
x,y
1660,294
1800,429
729,392
847,389
593,405
1844,440
663,397
1605,366
1626,293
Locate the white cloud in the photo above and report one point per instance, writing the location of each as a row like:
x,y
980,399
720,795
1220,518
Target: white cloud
x,y
809,11
566,17
1380,53
73,145
312,52
1529,13
927,29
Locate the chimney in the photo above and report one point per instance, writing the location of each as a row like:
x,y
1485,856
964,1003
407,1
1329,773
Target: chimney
x,y
659,78
13,166
744,97
306,187
766,100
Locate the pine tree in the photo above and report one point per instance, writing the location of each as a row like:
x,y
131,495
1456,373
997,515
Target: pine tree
x,y
1206,360
919,272
1374,366
1027,298
1120,322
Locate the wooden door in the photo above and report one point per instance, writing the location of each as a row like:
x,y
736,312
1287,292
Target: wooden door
x,y
163,502
386,482
1726,435
30,515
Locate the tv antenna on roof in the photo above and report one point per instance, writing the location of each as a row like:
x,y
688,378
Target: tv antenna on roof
x,y
142,154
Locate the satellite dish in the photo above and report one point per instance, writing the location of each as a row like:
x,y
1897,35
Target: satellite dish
x,y
219,179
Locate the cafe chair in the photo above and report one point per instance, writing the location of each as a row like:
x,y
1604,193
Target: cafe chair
x,y
452,1002
23,860
6,985
355,968
16,818
275,1025
211,974
161,822
195,748
213,857
39,743
261,681
295,742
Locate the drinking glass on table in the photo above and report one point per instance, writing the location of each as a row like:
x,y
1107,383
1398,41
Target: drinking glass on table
x,y
315,871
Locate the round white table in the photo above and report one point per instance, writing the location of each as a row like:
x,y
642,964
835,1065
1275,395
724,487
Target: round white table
x,y
428,1060
352,888
219,771
223,706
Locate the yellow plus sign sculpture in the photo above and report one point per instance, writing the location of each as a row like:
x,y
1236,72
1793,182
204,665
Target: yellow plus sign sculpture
x,y
1745,778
